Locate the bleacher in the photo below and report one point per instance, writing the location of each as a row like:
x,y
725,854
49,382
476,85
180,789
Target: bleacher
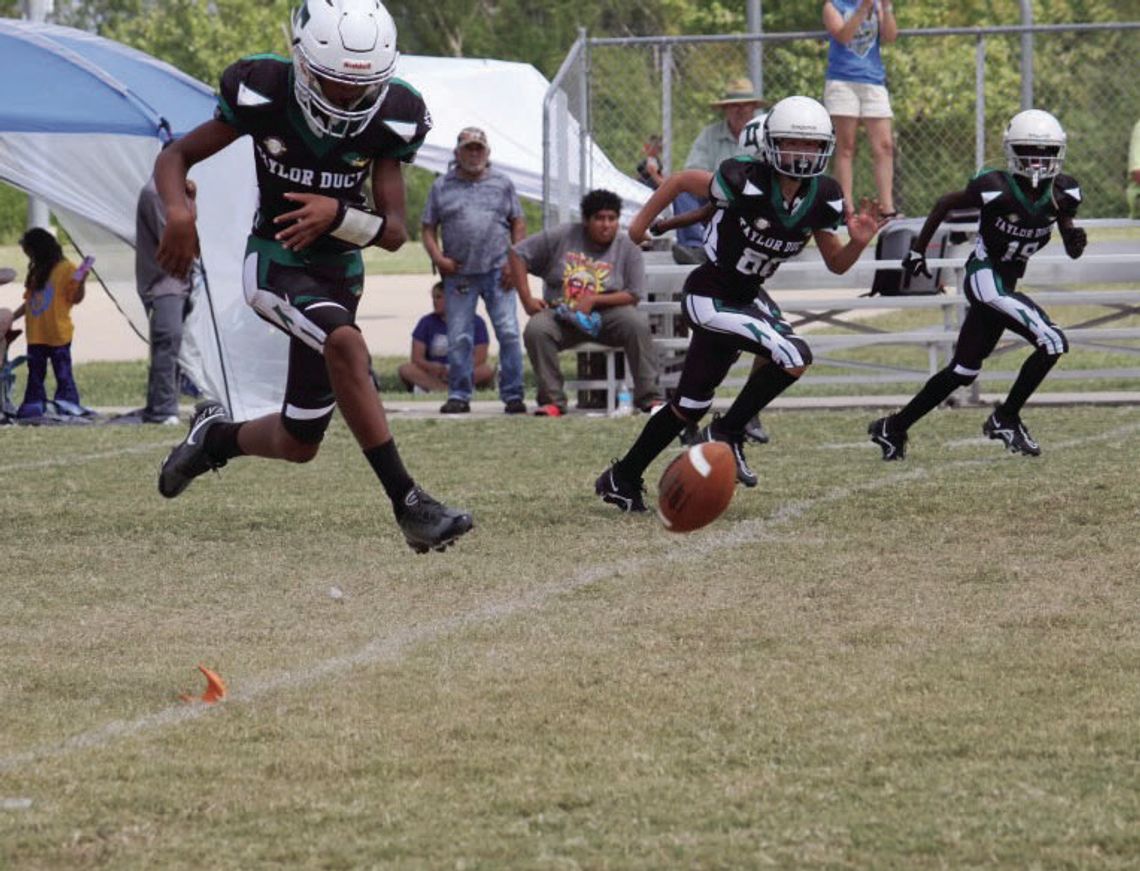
x,y
811,297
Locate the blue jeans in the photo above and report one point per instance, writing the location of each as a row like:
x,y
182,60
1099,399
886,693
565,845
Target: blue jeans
x,y
461,295
35,396
694,235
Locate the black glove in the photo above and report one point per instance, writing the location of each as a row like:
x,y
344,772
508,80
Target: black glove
x,y
915,264
1075,241
655,229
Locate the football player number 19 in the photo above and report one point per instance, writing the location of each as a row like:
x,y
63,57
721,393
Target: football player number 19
x,y
753,262
1019,251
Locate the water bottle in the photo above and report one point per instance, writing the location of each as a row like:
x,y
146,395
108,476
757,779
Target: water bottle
x,y
624,401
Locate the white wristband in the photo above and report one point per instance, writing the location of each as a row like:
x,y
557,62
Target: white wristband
x,y
357,226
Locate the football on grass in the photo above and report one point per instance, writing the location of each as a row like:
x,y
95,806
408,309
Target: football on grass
x,y
696,487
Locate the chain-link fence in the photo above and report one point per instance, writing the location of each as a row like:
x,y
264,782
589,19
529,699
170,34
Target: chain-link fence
x,y
952,92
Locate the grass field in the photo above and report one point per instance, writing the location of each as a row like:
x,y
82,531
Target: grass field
x,y
930,664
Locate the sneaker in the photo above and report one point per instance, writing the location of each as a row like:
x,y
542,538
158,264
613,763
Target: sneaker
x,y
514,406
754,431
455,406
690,435
626,495
713,433
893,443
162,420
549,410
1012,431
189,459
428,524
67,408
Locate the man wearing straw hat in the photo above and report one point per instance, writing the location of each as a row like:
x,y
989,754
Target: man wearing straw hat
x,y
714,144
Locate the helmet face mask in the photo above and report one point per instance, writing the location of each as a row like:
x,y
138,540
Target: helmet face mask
x,y
1034,144
791,129
344,55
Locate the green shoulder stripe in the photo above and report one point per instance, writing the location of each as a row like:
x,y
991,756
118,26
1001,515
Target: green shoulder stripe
x,y
227,111
410,87
268,55
726,192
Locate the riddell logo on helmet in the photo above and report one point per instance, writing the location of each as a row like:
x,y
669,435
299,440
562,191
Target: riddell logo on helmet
x,y
358,65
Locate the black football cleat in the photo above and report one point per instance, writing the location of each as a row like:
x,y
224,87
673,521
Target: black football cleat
x,y
713,433
892,442
189,459
690,435
754,431
1010,430
626,495
428,524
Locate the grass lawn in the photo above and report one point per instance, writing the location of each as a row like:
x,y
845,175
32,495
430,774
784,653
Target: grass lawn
x,y
921,665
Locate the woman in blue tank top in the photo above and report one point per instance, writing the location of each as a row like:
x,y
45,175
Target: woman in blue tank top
x,y
856,90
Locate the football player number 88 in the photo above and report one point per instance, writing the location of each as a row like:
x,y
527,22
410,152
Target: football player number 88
x,y
753,262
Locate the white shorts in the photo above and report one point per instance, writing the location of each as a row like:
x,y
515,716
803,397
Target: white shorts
x,y
856,99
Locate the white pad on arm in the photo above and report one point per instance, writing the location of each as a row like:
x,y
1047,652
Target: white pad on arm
x,y
357,226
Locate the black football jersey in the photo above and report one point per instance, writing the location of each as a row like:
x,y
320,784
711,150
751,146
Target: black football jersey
x,y
1015,224
753,231
256,97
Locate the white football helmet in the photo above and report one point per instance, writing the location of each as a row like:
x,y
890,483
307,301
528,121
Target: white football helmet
x,y
1034,144
798,118
751,139
338,43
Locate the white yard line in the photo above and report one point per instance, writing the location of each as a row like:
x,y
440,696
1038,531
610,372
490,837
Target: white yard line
x,y
392,648
72,459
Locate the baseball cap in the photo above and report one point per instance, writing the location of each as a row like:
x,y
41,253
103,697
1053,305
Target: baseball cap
x,y
471,136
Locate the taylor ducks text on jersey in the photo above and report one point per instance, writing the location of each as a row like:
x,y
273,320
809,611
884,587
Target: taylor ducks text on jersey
x,y
256,97
1015,224
752,230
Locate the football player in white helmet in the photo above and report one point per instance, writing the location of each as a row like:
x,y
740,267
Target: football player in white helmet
x,y
1017,210
303,268
1034,144
344,55
764,212
798,137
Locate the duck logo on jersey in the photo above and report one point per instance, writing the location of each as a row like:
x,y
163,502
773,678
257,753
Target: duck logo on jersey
x,y
352,158
1013,217
761,223
274,146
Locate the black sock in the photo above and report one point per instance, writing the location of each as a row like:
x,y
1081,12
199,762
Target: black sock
x,y
762,386
389,468
1033,372
940,385
659,430
222,442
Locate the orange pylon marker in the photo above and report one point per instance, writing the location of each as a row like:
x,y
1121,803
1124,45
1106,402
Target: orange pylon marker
x,y
215,688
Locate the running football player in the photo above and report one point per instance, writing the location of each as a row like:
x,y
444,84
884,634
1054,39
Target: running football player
x,y
321,123
763,213
1019,207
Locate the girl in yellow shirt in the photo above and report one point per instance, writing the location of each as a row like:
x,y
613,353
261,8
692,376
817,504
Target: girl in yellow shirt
x,y
50,290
